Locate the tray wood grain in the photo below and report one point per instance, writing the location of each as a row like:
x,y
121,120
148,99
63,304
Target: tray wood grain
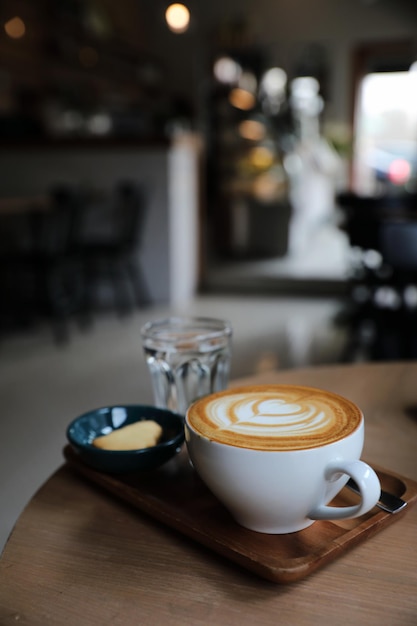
x,y
176,496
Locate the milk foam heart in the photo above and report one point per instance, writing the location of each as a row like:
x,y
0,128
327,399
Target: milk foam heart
x,y
276,417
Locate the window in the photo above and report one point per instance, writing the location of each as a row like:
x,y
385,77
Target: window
x,y
385,147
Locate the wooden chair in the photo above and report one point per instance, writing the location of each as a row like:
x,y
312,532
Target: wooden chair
x,y
112,256
40,279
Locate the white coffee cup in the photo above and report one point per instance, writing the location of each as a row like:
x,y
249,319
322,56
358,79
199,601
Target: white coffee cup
x,y
276,455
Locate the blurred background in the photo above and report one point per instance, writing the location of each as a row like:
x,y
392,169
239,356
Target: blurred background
x,y
149,153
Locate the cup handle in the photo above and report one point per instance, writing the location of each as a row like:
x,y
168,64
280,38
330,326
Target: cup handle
x,y
368,485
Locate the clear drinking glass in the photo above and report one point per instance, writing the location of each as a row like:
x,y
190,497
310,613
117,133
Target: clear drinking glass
x,y
188,357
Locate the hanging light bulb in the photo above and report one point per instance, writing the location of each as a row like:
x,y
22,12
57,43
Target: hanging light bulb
x,y
177,17
15,28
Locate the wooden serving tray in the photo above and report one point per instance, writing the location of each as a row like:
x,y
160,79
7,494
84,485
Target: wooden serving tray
x,y
176,496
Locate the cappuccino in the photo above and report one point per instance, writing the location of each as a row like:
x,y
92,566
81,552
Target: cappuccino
x,y
276,455
274,417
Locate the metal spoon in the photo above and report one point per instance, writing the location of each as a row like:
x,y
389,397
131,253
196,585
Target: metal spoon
x,y
387,501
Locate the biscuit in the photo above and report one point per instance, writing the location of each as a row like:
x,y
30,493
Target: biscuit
x,y
142,434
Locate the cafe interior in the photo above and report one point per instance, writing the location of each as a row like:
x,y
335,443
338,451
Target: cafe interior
x,y
254,161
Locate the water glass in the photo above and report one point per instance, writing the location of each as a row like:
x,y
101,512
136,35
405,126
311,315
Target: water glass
x,y
188,357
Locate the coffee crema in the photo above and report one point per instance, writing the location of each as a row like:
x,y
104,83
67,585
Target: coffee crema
x,y
274,417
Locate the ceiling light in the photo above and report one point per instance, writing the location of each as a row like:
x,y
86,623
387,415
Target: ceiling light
x,y
15,28
227,70
252,130
244,95
242,99
261,157
274,81
177,17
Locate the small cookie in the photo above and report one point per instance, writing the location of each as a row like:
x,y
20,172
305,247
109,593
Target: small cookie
x,y
143,434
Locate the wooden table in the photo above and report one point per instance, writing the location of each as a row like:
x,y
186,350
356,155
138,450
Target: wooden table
x,y
79,556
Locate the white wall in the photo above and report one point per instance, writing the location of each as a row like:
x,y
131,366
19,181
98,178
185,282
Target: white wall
x,y
169,248
184,193
35,171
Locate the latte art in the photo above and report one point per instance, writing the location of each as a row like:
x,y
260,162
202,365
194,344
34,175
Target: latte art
x,y
267,417
274,417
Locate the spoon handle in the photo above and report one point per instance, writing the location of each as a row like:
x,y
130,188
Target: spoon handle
x,y
387,501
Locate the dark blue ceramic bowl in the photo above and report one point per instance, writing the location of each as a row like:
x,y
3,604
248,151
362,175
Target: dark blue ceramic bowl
x,y
82,431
